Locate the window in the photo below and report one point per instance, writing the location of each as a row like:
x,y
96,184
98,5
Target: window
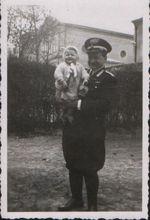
x,y
123,53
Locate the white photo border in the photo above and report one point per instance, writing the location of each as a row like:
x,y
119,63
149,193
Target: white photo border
x,y
145,158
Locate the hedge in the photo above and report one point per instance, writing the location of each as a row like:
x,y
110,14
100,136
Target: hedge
x,y
30,96
128,110
31,103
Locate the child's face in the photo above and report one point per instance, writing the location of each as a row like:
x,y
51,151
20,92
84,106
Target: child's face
x,y
70,56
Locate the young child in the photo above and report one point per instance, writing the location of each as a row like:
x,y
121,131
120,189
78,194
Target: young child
x,y
70,82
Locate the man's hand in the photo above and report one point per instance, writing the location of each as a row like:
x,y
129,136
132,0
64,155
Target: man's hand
x,y
83,90
62,84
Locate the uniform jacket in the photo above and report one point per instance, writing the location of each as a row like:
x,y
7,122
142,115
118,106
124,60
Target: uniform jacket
x,y
102,89
84,140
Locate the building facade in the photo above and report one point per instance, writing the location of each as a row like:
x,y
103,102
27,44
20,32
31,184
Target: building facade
x,y
51,51
138,38
76,35
122,44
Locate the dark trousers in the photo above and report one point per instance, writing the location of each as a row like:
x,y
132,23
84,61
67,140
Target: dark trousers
x,y
91,181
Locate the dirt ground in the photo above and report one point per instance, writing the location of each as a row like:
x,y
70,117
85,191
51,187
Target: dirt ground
x,y
38,178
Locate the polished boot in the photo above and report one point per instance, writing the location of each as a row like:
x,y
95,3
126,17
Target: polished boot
x,y
71,205
92,183
76,181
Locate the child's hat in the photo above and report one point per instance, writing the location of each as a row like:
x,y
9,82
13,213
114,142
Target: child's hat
x,y
71,48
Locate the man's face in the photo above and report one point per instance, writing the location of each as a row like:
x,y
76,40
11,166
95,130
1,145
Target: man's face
x,y
96,59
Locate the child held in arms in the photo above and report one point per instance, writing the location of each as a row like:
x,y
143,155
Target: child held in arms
x,y
70,82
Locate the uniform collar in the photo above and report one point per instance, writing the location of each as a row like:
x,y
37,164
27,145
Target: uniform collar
x,y
97,72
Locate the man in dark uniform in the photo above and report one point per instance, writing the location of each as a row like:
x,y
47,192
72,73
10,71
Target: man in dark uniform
x,y
83,141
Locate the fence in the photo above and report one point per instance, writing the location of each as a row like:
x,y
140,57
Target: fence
x,y
31,103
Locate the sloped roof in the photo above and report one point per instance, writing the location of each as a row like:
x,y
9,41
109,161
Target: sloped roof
x,y
137,21
115,33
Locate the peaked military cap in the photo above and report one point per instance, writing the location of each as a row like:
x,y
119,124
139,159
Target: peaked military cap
x,y
93,44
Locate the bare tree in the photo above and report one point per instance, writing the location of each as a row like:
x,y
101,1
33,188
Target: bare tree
x,y
49,33
28,27
19,25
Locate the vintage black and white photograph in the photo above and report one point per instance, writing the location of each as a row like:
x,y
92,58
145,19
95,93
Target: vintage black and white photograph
x,y
74,109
